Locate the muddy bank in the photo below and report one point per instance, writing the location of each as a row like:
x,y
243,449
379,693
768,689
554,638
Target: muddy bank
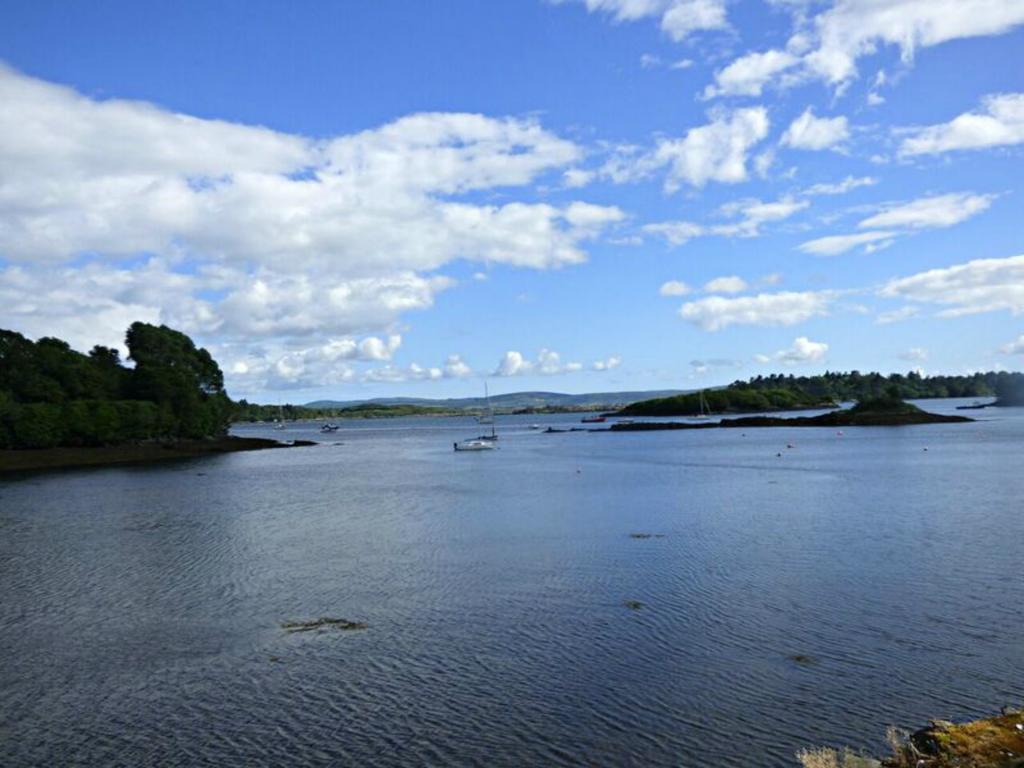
x,y
134,453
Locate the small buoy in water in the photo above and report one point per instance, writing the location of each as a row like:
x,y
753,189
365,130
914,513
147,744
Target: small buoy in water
x,y
925,449
779,454
790,445
578,470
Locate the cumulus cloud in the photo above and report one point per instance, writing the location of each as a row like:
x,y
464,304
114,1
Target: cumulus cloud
x,y
455,368
815,133
801,351
728,284
827,45
716,151
1015,347
855,28
678,18
983,285
747,75
607,364
250,233
548,363
781,309
674,288
930,212
999,122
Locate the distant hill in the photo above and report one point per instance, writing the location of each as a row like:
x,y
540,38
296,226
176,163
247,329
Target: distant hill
x,y
510,401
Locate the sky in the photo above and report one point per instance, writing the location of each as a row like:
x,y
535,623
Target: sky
x,y
379,199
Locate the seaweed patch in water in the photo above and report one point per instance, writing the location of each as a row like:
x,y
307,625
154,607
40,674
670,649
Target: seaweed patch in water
x,y
633,605
323,622
803,658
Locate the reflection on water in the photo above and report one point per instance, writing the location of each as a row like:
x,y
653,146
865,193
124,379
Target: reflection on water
x,y
140,622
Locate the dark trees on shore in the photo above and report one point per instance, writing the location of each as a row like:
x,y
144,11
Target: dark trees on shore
x,y
51,395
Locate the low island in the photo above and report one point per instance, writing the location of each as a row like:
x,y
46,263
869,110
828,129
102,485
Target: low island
x,y
886,411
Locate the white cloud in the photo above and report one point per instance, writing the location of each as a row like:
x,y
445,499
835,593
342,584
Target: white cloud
x,y
608,364
674,288
828,45
815,133
896,315
713,152
914,355
676,232
785,308
749,214
801,351
833,245
679,18
455,368
855,28
393,374
681,64
1015,347
930,212
999,123
747,75
983,285
574,178
729,284
258,237
900,219
548,363
841,187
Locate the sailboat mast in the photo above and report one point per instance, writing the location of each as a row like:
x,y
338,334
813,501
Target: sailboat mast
x,y
490,410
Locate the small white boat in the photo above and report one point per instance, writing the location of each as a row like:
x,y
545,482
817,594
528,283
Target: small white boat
x,y
329,428
476,444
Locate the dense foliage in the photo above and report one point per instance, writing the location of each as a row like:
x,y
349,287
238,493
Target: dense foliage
x,y
51,395
857,386
778,392
733,399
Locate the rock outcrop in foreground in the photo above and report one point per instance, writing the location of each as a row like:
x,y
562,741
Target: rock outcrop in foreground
x,y
995,742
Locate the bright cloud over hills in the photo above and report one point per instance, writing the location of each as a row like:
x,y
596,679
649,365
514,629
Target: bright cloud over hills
x,y
366,208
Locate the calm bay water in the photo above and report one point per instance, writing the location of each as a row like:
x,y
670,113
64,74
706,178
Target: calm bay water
x,y
141,609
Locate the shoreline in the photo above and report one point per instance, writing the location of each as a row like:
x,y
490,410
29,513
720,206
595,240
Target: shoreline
x,y
35,460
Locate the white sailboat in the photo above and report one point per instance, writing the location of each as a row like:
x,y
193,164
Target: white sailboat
x,y
483,442
705,413
280,423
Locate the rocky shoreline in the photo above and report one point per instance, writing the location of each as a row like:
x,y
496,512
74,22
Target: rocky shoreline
x,y
145,452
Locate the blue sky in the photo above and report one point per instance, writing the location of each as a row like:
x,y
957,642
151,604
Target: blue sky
x,y
392,198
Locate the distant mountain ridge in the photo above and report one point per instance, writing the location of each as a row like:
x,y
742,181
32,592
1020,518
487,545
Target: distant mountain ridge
x,y
511,400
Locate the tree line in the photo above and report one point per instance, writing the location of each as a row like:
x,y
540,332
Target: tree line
x,y
787,392
52,395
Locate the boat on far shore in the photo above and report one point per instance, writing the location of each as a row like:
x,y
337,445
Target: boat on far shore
x,y
592,420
